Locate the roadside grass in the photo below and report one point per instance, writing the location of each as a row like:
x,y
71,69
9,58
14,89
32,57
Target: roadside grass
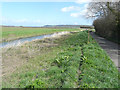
x,y
13,33
98,70
65,69
71,63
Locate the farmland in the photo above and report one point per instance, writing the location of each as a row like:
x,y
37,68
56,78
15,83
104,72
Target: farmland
x,y
13,33
68,61
61,45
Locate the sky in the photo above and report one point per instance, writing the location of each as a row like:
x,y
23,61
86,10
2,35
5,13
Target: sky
x,y
44,13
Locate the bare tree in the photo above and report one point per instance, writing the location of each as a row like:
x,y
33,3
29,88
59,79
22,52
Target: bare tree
x,y
107,16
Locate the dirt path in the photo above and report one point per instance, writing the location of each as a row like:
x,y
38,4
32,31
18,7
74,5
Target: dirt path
x,y
111,48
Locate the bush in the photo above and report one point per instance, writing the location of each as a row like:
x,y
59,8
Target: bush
x,y
107,27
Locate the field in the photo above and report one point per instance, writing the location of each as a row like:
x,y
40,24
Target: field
x,y
12,33
68,61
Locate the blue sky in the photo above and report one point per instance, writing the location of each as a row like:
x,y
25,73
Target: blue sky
x,y
44,13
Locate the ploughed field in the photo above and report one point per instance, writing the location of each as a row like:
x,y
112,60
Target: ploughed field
x,y
68,61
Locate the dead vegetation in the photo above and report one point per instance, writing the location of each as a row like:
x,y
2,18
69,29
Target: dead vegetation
x,y
15,57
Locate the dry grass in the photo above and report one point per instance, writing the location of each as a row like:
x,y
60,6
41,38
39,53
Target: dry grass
x,y
28,57
16,56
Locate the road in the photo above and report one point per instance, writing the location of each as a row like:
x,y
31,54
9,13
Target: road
x,y
112,49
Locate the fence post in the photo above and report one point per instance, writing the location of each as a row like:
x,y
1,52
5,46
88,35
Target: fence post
x,y
88,36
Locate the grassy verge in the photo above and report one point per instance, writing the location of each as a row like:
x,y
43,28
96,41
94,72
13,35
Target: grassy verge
x,y
12,33
98,71
71,63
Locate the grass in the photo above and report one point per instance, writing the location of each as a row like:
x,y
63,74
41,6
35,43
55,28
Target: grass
x,y
12,33
70,62
98,71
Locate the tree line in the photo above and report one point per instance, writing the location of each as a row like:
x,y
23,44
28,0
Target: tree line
x,y
107,19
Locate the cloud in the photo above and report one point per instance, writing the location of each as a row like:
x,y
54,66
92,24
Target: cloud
x,y
76,23
3,19
86,6
24,21
21,21
71,8
82,1
37,21
80,13
75,14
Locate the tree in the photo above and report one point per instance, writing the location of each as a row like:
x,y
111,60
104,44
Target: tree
x,y
107,14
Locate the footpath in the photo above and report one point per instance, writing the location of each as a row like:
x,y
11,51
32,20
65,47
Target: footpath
x,y
112,49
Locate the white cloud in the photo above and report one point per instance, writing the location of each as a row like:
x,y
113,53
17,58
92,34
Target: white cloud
x,y
3,19
75,14
76,23
37,21
86,5
86,12
79,1
82,12
71,8
21,21
78,14
24,21
82,1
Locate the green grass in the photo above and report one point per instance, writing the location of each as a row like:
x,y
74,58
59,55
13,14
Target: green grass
x,y
73,63
98,70
12,33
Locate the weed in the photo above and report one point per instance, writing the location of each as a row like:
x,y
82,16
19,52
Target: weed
x,y
59,66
